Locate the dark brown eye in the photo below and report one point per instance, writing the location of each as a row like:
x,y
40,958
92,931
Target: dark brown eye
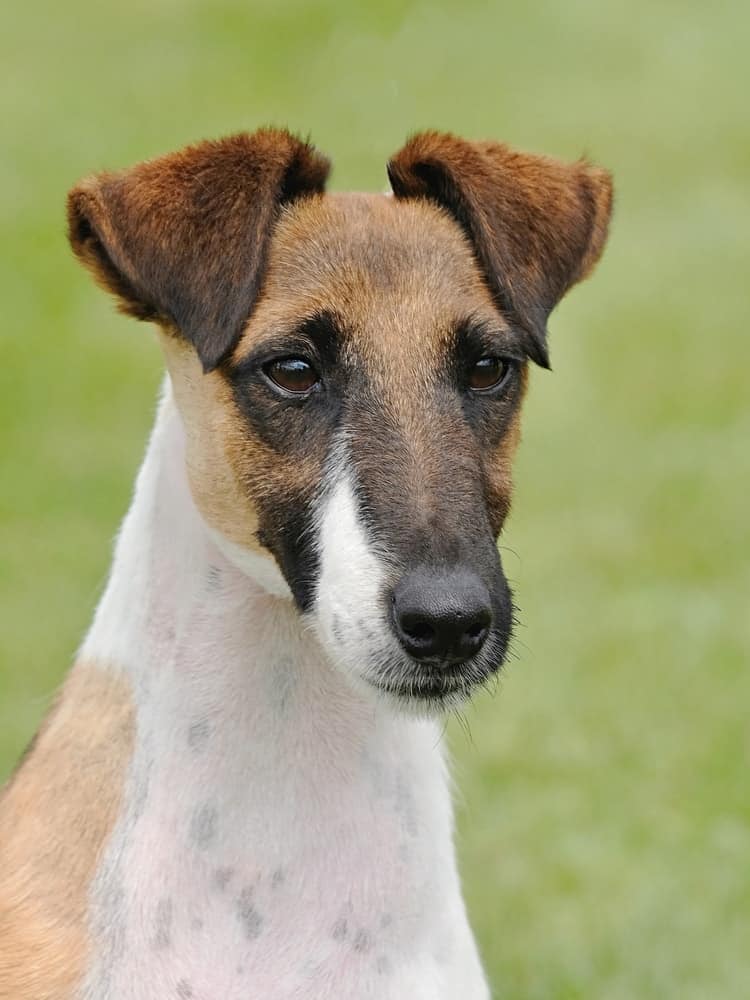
x,y
292,374
488,373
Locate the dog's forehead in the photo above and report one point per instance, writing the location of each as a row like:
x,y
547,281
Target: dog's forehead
x,y
378,263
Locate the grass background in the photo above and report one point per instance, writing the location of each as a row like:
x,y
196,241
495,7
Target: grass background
x,y
604,826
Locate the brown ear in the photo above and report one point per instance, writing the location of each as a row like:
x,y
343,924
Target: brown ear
x,y
537,226
182,239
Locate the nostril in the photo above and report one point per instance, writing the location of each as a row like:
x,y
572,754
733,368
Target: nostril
x,y
422,631
478,627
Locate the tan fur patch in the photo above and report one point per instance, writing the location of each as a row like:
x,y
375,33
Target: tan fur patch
x,y
400,274
55,818
223,459
397,272
205,403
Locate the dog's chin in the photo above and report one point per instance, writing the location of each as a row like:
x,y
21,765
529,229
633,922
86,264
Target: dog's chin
x,y
419,689
419,699
423,690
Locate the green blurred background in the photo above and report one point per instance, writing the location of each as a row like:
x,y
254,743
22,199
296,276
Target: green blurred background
x,y
604,813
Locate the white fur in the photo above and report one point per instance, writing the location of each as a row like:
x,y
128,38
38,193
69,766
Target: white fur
x,y
349,609
284,835
261,568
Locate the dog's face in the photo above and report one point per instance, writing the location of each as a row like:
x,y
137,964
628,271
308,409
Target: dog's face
x,y
351,399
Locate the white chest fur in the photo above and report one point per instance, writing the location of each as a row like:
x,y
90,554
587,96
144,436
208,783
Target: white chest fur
x,y
281,836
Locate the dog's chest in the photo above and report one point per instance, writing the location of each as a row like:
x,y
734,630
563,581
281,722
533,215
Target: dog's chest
x,y
315,859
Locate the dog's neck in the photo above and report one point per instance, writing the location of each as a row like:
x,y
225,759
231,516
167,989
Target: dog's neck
x,y
206,646
270,810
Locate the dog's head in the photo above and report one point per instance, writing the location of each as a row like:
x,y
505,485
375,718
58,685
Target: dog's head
x,y
350,371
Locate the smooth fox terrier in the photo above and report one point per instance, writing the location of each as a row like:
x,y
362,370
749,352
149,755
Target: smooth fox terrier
x,y
240,792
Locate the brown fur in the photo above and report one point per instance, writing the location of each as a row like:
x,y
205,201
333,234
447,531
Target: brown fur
x,y
401,275
537,225
182,239
55,819
234,236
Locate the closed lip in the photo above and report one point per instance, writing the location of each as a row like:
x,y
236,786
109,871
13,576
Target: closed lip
x,y
427,684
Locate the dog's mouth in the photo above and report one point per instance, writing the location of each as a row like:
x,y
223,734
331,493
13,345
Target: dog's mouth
x,y
439,684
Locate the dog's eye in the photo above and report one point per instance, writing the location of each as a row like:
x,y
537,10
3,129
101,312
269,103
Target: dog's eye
x,y
488,373
293,375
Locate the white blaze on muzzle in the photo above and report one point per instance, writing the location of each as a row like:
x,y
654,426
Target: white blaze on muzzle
x,y
351,599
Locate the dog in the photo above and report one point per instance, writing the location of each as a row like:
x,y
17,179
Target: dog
x,y
241,790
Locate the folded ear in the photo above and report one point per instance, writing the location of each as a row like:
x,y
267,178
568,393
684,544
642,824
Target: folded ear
x,y
537,225
183,239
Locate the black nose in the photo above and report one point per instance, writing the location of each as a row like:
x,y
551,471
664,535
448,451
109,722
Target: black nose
x,y
441,616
